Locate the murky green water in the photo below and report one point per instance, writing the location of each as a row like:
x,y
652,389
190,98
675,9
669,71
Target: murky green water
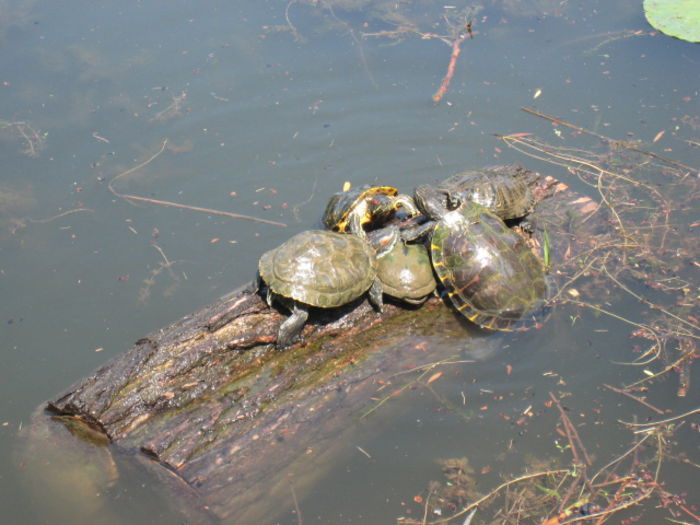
x,y
262,122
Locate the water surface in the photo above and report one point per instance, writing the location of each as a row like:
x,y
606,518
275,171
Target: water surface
x,y
267,108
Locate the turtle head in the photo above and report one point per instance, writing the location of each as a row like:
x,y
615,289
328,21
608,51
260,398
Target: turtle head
x,y
435,202
380,208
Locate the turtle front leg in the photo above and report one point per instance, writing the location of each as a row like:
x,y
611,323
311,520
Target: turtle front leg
x,y
291,328
375,295
413,233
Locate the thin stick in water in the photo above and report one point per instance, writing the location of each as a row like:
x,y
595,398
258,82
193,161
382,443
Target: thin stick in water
x,y
130,197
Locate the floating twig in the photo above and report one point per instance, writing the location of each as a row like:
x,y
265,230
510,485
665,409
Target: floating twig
x,y
63,214
607,140
650,424
291,26
204,210
684,357
110,184
637,399
572,434
648,302
130,197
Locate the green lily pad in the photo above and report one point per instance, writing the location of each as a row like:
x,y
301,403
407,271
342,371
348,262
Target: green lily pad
x,y
679,18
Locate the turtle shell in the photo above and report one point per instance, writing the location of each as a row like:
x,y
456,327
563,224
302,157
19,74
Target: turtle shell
x,y
504,190
490,274
342,204
406,272
320,268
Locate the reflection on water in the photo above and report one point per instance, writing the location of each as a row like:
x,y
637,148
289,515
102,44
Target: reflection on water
x,y
268,107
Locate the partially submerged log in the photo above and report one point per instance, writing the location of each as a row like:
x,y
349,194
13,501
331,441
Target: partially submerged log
x,y
211,404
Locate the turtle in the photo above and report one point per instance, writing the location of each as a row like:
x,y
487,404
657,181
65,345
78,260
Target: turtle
x,y
404,269
489,273
364,206
318,268
503,190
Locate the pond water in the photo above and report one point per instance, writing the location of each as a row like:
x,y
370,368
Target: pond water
x,y
267,108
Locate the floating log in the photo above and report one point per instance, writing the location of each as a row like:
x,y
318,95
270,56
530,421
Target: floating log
x,y
221,416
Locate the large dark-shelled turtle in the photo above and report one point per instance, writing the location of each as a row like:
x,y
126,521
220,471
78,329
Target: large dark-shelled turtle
x,y
490,274
503,190
318,268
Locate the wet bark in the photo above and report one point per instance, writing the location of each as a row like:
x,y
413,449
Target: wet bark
x,y
209,401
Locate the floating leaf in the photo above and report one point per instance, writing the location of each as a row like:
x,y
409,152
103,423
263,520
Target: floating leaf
x,y
679,18
659,135
434,377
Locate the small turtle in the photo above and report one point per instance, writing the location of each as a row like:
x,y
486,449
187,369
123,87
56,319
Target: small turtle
x,y
318,268
404,269
503,190
354,209
490,274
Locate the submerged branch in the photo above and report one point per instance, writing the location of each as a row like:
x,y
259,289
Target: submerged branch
x,y
450,69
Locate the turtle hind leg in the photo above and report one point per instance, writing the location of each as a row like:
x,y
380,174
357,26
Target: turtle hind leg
x,y
527,224
375,295
291,328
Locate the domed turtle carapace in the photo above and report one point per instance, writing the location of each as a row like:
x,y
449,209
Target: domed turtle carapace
x,y
318,268
490,274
